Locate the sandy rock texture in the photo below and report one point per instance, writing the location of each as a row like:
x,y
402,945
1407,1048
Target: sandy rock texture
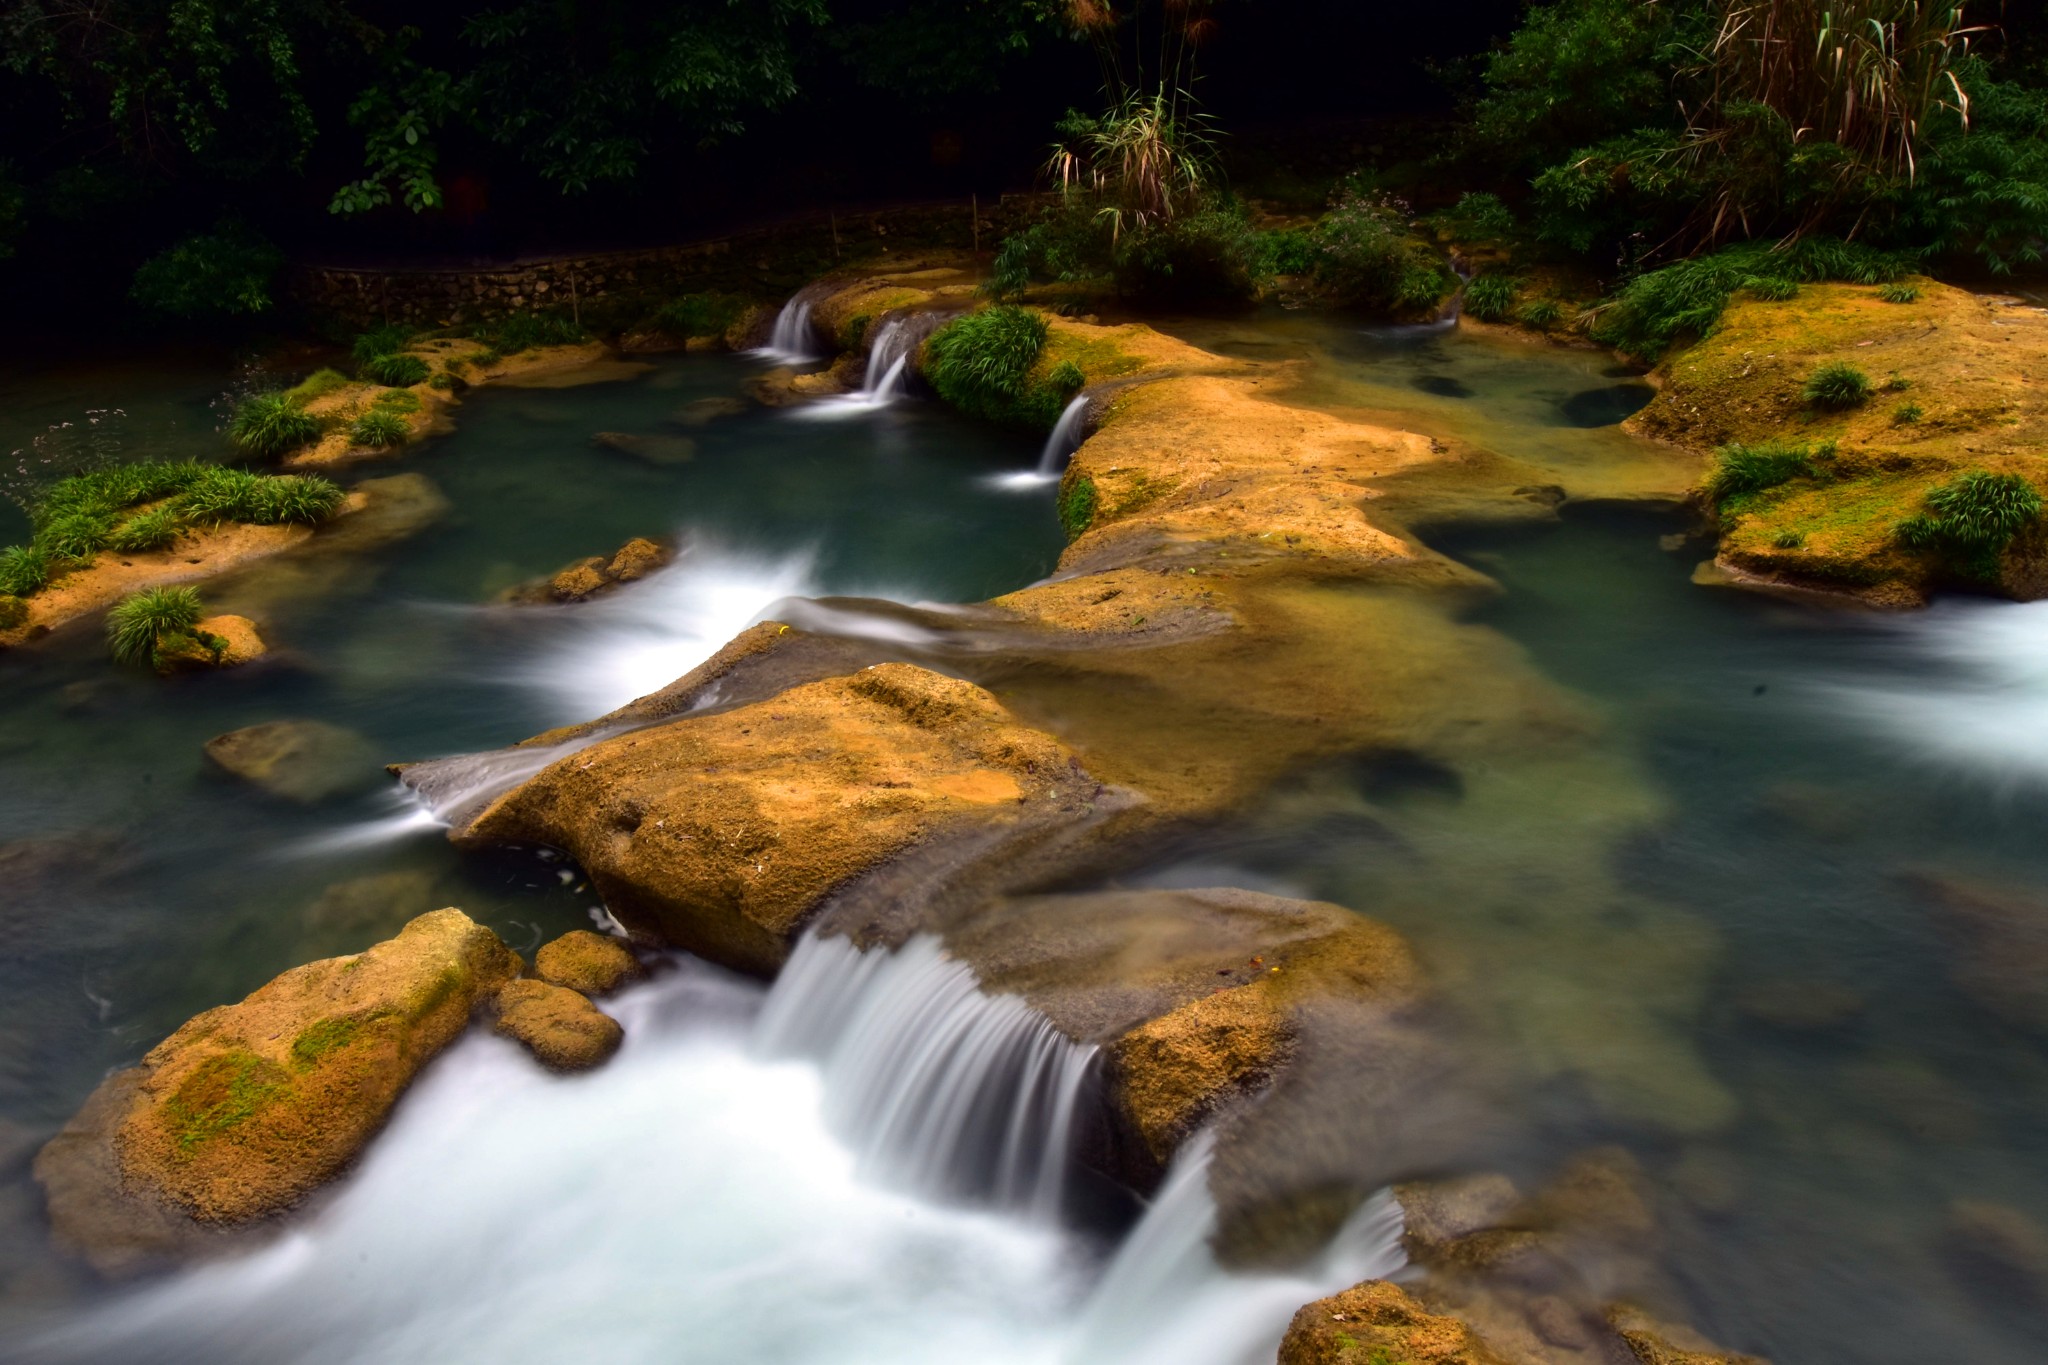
x,y
250,1107
586,962
562,1029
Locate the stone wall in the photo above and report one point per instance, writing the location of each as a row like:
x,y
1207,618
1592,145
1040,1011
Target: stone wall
x,y
613,288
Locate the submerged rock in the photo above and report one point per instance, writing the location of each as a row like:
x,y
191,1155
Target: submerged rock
x,y
562,1029
300,760
655,450
704,411
586,962
1374,1322
586,578
723,834
1997,1252
1659,1343
249,1107
1999,938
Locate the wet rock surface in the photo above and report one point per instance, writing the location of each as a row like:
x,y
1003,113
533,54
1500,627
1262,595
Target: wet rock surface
x,y
249,1107
586,962
589,577
561,1028
1374,1322
240,644
300,760
723,834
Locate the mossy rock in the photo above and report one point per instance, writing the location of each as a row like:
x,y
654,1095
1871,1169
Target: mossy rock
x,y
586,962
249,1107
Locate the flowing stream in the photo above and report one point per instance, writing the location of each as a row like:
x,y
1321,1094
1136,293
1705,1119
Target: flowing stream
x,y
869,1161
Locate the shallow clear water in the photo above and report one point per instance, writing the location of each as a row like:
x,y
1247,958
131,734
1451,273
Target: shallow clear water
x,y
1785,773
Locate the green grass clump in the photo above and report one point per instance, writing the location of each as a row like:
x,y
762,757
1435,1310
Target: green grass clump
x,y
398,400
379,427
1837,386
1897,383
381,341
1685,300
267,424
318,384
238,495
299,499
103,492
1077,505
1905,414
1972,518
1740,469
1771,289
156,529
24,569
1540,313
524,331
140,624
982,363
397,371
1491,297
1067,377
1900,292
1288,251
75,535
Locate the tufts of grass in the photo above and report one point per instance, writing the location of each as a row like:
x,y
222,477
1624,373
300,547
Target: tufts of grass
x,y
1836,387
318,384
525,331
267,424
24,569
156,529
1740,469
1906,414
1897,383
141,623
381,341
396,371
443,380
398,400
238,495
1771,289
300,499
1899,292
1067,377
379,428
1789,540
1077,505
1971,519
982,363
1540,313
103,492
1491,297
75,535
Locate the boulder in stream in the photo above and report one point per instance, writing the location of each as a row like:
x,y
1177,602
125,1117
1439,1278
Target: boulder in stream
x,y
1377,1321
588,577
300,760
250,1107
562,1029
586,962
241,644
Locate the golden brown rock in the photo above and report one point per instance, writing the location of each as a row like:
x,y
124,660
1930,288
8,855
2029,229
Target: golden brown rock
x,y
563,1030
586,962
1658,1343
637,558
725,832
240,645
1377,1322
578,581
248,1107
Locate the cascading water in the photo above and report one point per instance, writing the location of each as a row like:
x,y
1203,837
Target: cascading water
x,y
690,1200
888,373
940,1088
791,341
1066,437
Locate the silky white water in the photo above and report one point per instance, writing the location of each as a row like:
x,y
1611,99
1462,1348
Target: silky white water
x,y
888,373
791,341
690,1201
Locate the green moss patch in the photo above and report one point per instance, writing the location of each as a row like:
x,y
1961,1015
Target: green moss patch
x,y
325,1037
222,1093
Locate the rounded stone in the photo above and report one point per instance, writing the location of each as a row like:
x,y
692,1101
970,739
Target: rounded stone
x,y
586,962
563,1031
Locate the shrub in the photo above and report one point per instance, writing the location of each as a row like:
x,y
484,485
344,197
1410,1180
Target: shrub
x,y
226,272
156,529
1742,468
24,569
139,625
982,363
1972,518
398,400
74,535
1836,386
1905,414
318,384
1205,258
397,371
700,315
267,424
381,341
524,331
1288,251
378,428
1540,313
1490,297
1477,217
1366,257
1066,246
1899,292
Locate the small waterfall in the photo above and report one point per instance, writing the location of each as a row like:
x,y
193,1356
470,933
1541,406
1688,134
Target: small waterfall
x,y
1165,1301
888,370
791,342
1067,434
938,1087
